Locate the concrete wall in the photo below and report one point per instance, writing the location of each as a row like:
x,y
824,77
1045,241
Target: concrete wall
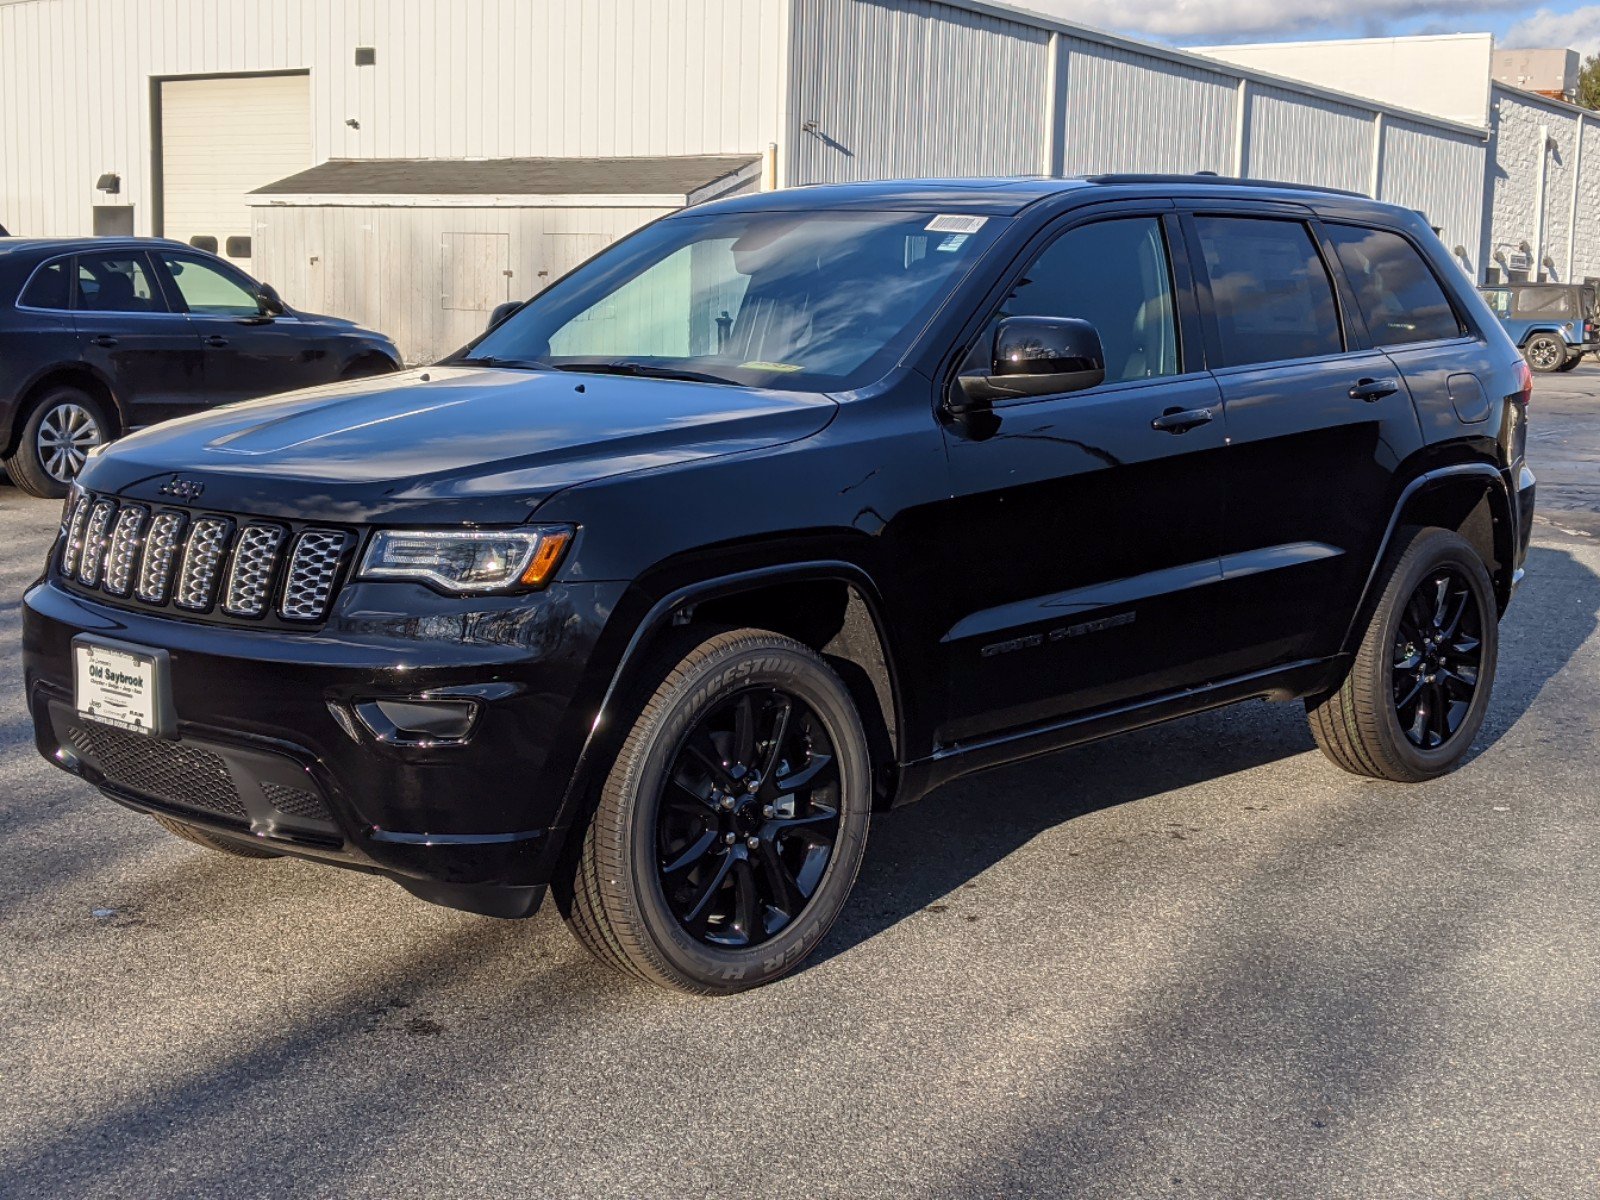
x,y
1534,136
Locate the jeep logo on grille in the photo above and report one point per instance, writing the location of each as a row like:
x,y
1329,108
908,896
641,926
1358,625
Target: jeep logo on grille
x,y
182,489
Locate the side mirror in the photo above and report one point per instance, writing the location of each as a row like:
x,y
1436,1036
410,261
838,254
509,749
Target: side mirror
x,y
501,312
1035,356
269,300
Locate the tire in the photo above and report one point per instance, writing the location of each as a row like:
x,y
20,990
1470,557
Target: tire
x,y
1545,353
60,429
708,928
1572,363
1363,726
201,838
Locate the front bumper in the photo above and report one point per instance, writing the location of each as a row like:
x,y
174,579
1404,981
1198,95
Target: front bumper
x,y
269,746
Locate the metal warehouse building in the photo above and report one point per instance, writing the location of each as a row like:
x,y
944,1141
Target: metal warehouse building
x,y
412,163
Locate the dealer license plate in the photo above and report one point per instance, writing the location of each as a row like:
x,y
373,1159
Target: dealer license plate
x,y
120,685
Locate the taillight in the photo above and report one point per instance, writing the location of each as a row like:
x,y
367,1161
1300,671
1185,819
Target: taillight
x,y
1524,390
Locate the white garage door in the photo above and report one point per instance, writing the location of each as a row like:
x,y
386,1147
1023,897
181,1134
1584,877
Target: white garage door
x,y
222,138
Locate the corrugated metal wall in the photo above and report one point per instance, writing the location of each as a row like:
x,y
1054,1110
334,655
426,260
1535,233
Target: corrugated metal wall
x,y
1307,139
1441,175
466,78
882,90
386,267
1131,112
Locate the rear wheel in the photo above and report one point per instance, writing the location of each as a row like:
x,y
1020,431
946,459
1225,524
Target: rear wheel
x,y
201,838
1417,691
62,427
733,823
1545,352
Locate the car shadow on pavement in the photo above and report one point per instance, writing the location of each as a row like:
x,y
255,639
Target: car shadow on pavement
x,y
922,853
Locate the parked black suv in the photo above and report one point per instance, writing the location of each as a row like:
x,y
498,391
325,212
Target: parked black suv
x,y
100,335
792,507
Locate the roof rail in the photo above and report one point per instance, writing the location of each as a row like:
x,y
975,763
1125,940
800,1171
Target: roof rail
x,y
1210,177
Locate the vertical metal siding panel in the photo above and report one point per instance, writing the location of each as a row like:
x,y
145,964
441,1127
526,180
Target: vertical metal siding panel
x,y
1305,139
1441,176
1131,112
897,87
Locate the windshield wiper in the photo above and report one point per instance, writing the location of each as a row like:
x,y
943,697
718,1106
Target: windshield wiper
x,y
643,371
488,360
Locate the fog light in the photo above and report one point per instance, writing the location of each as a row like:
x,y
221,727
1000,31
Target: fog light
x,y
419,722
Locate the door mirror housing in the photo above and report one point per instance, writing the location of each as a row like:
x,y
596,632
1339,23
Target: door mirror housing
x,y
269,300
501,312
1035,356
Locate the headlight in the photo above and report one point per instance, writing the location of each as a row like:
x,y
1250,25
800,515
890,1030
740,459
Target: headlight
x,y
473,560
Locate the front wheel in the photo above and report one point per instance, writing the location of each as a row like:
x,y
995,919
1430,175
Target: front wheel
x,y
1545,353
731,827
1418,688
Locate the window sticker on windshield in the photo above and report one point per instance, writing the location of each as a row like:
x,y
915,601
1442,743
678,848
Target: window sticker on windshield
x,y
949,223
952,242
768,366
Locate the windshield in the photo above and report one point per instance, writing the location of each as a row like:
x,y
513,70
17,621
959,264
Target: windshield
x,y
814,301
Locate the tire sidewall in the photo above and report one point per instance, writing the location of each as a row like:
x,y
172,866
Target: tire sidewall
x,y
29,462
723,675
1432,550
1561,355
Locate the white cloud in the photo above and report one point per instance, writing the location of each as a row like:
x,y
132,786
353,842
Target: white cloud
x,y
1578,30
1234,19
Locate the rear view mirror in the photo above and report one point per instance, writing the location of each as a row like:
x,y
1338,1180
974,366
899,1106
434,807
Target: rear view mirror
x,y
1036,356
501,312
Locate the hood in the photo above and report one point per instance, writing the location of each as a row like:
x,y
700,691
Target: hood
x,y
446,443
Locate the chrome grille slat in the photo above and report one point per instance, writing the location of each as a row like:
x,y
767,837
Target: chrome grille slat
x,y
127,538
254,557
202,563
94,543
313,568
161,548
73,549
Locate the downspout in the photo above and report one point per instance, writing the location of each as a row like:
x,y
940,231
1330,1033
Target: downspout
x,y
1377,155
1055,111
1538,204
1572,204
1241,121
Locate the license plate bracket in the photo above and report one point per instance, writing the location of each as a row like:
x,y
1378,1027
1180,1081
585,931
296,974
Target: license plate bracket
x,y
122,685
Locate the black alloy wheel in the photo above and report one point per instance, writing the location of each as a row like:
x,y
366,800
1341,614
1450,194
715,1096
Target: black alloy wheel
x,y
1438,649
748,817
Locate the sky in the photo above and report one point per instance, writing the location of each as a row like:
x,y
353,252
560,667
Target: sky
x,y
1199,22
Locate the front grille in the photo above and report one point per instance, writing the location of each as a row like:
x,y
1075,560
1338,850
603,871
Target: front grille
x,y
161,770
204,563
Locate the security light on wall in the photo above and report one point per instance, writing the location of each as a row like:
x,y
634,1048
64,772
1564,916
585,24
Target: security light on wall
x,y
110,183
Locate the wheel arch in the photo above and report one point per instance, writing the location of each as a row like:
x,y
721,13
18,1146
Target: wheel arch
x,y
1529,334
831,605
78,375
1468,498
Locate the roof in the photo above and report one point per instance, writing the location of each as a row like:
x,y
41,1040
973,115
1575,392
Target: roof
x,y
20,245
1010,195
675,179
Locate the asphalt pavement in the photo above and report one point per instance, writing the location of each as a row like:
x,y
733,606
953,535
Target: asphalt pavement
x,y
1197,961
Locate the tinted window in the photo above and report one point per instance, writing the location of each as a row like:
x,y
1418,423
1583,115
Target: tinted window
x,y
116,283
1397,293
1270,290
50,286
1113,274
210,289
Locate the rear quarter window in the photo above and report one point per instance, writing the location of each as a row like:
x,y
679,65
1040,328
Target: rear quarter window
x,y
1397,292
49,287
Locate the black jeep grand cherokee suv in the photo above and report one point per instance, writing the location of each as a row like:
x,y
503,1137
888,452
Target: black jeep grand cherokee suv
x,y
792,507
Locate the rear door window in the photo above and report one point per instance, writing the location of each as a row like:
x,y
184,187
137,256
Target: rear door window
x,y
116,283
50,287
1269,290
1398,294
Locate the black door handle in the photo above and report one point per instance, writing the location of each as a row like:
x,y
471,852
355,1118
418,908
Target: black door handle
x,y
105,339
1181,420
216,339
1372,390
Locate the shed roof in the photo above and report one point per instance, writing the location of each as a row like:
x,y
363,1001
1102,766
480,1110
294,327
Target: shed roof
x,y
678,177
